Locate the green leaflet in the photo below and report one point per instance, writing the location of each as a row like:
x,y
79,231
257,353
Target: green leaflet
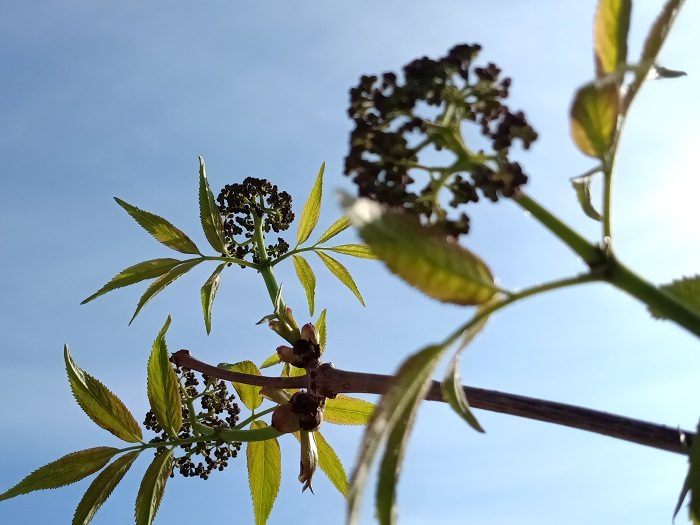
x,y
355,250
652,45
312,209
393,413
612,22
346,410
341,273
161,229
322,330
264,474
686,291
422,256
208,294
248,394
134,274
101,488
162,282
101,405
64,471
209,213
307,279
582,185
330,463
270,361
338,226
594,117
153,487
163,389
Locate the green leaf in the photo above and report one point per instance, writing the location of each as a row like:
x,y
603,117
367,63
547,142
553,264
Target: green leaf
x,y
102,406
163,389
248,394
594,117
330,463
270,361
338,226
346,410
264,474
209,214
161,229
312,208
686,291
64,471
307,279
101,488
163,281
410,385
209,294
422,256
341,273
134,274
355,250
582,185
322,330
153,487
612,22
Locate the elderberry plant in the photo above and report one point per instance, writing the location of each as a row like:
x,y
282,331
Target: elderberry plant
x,y
417,162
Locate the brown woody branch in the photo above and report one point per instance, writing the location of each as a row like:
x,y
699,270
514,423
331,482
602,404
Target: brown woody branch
x,y
329,382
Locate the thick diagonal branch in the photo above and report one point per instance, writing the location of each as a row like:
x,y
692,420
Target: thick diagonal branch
x,y
329,381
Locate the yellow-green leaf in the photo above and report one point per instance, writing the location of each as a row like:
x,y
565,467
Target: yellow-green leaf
x,y
162,282
101,488
208,294
307,279
355,250
612,22
163,389
322,330
330,463
582,185
312,208
64,471
422,256
264,474
101,405
209,214
346,410
338,226
161,229
248,394
153,487
686,291
270,361
594,116
135,274
341,273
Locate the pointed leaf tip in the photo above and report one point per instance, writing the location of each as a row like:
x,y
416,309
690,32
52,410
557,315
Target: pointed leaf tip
x,y
209,215
162,386
312,208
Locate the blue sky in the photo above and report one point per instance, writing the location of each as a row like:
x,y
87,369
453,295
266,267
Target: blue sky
x,y
102,100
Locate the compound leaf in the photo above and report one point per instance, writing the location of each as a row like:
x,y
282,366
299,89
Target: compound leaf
x,y
264,474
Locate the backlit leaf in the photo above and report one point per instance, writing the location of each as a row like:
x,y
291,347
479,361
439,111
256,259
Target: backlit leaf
x,y
346,410
341,273
355,250
134,274
612,22
594,117
264,474
248,394
338,226
322,330
307,279
312,208
153,487
162,282
101,488
422,256
209,215
686,291
161,229
270,361
101,405
582,185
163,389
330,463
64,471
208,294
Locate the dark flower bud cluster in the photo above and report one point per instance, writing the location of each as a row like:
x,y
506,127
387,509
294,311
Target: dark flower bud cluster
x,y
254,200
395,121
303,411
218,411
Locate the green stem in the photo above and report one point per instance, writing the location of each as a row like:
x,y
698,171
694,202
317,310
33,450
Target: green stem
x,y
231,260
252,418
264,266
